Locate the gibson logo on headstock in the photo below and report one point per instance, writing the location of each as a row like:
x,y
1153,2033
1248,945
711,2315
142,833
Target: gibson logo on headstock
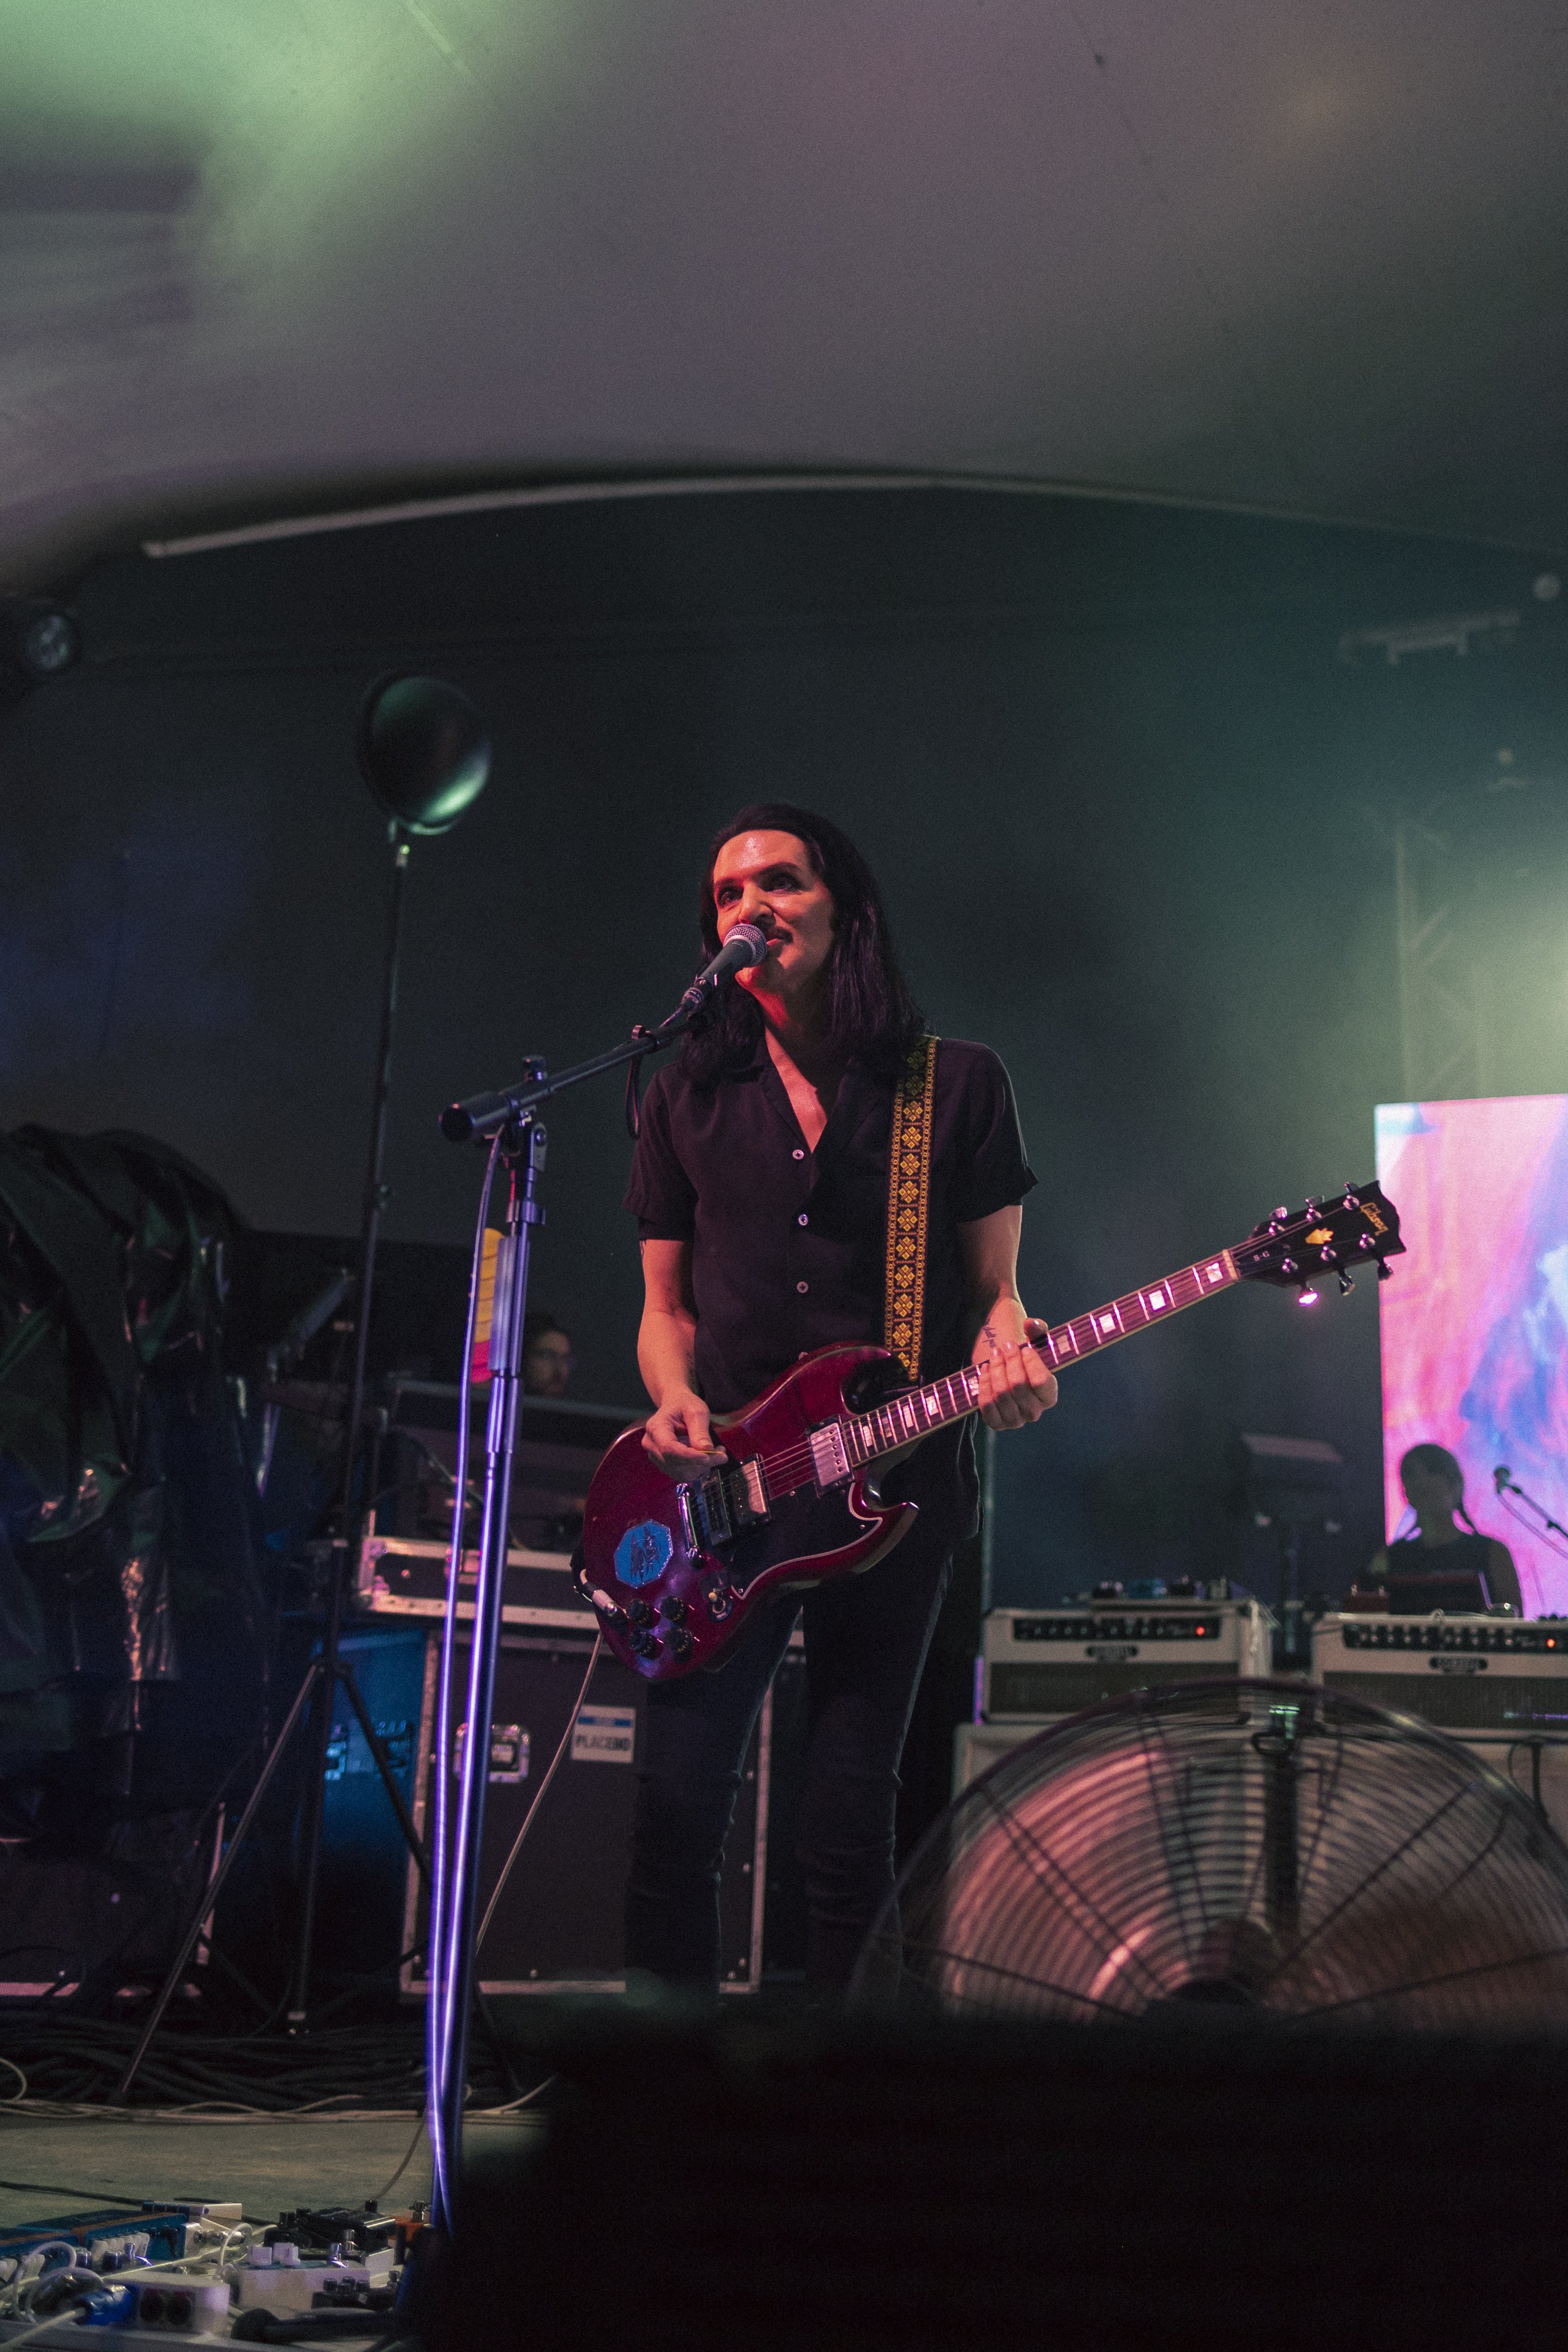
x,y
1374,1220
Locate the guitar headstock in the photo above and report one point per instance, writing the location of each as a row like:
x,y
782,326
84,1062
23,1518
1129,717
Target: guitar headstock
x,y
1334,1235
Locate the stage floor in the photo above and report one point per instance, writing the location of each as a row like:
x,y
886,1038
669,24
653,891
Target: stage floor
x,y
49,2167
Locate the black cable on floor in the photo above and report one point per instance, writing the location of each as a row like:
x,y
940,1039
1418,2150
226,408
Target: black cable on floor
x,y
87,2196
71,2061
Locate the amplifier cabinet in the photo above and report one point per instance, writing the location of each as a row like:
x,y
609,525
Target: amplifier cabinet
x,y
559,1927
1038,1664
977,1745
1463,1673
558,1924
1498,1683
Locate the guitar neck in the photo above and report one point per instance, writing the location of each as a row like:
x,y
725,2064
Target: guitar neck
x,y
917,1412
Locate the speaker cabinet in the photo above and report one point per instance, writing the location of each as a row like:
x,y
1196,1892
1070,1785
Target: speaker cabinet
x,y
558,1926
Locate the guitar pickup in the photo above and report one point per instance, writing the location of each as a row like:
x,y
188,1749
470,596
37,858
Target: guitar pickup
x,y
828,1457
727,1501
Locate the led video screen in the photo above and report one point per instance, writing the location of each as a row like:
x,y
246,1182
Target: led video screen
x,y
1475,1320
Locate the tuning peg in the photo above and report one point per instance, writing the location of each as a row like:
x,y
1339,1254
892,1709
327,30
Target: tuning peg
x,y
1288,1266
1352,1198
1384,1273
1312,1205
1327,1254
1364,1242
1282,1212
1308,1297
1347,1284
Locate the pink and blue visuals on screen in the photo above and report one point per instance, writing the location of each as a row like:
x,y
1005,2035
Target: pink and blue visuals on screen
x,y
1475,1321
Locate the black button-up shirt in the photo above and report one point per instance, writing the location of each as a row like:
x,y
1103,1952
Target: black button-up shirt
x,y
789,1246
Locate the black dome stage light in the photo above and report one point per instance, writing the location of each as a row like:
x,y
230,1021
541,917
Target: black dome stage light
x,y
424,751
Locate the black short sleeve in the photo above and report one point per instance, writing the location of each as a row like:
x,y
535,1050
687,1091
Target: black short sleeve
x,y
989,1169
660,1194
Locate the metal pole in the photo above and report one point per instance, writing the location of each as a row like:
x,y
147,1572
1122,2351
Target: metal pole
x,y
1281,1864
458,1891
349,1514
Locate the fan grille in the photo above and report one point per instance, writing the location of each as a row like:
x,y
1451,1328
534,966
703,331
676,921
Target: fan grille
x,y
1261,1844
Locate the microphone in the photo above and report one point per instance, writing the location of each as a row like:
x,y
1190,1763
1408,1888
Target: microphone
x,y
744,948
1502,1476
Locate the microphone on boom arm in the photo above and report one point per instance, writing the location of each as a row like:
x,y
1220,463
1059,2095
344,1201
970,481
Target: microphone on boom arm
x,y
743,949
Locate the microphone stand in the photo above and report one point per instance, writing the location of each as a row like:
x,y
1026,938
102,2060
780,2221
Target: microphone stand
x,y
1548,1524
507,1112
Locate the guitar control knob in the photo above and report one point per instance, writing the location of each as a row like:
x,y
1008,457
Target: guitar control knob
x,y
646,1644
678,1642
674,1608
640,1614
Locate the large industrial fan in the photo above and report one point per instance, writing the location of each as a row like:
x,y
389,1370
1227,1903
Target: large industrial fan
x,y
1263,1846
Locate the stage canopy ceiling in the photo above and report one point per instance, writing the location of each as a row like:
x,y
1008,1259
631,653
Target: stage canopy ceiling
x,y
277,256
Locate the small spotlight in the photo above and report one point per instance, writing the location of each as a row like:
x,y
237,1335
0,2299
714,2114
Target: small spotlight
x,y
1309,1297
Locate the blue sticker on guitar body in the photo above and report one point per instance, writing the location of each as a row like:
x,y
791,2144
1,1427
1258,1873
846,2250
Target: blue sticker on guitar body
x,y
643,1552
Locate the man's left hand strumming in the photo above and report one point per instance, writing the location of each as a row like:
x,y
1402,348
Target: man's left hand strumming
x,y
1016,1384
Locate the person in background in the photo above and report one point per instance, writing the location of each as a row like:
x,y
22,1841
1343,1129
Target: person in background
x,y
548,1362
1465,1568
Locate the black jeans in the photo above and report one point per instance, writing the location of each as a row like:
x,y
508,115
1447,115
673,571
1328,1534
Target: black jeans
x,y
865,1641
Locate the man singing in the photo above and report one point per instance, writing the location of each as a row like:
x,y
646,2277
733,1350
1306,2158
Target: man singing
x,y
760,1186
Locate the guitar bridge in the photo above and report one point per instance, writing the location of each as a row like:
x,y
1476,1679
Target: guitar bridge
x,y
727,1502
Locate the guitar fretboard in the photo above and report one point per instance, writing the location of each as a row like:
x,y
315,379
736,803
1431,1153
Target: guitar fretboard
x,y
920,1410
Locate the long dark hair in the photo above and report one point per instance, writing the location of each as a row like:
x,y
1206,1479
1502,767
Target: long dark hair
x,y
873,1019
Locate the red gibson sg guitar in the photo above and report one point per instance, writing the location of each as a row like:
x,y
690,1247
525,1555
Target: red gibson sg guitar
x,y
674,1569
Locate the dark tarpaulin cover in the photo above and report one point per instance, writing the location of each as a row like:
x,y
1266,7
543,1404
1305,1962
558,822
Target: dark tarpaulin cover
x,y
130,1599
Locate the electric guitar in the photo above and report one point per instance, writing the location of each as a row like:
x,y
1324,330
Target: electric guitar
x,y
674,1569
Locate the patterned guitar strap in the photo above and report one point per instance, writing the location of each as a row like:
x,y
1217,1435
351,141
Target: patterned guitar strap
x,y
909,1206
